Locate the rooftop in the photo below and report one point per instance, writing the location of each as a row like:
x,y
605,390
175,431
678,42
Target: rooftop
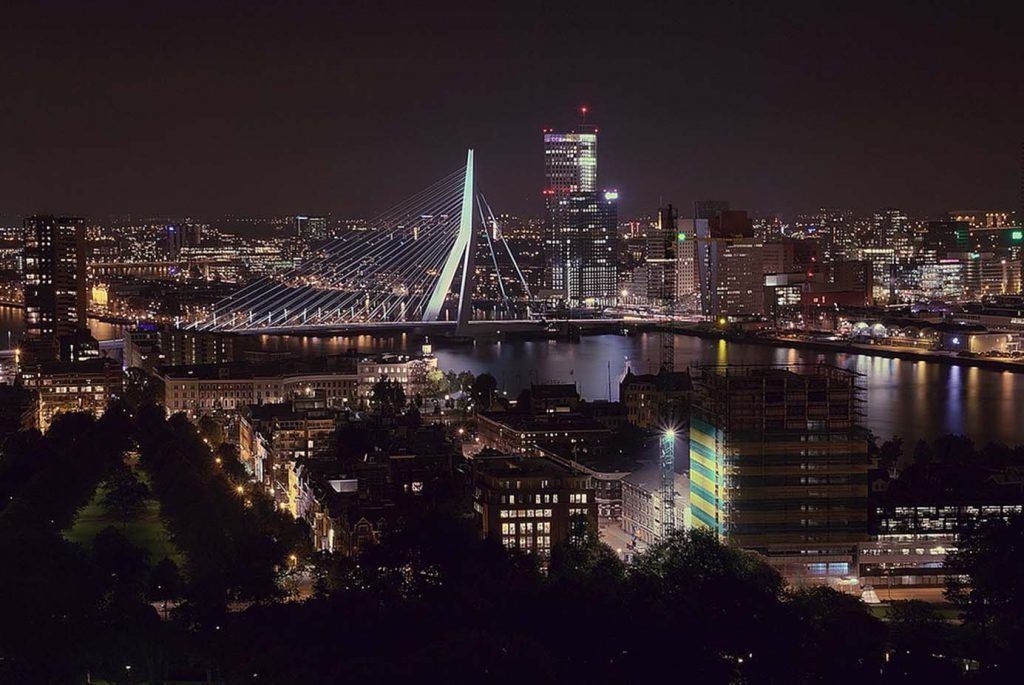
x,y
531,467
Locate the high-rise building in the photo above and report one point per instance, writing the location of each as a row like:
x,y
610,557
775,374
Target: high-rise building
x,y
181,234
310,227
662,267
55,291
581,231
779,464
893,230
730,261
738,272
688,270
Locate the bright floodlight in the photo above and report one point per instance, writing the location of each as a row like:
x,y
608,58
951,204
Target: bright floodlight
x,y
670,433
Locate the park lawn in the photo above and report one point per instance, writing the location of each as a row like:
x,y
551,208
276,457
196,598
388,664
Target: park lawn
x,y
945,611
145,530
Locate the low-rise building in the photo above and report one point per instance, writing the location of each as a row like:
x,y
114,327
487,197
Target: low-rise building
x,y
344,380
657,401
354,501
910,537
273,436
554,398
531,503
642,506
86,386
150,346
515,433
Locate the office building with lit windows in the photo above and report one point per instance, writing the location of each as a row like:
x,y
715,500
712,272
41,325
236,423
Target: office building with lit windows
x,y
64,387
531,503
911,537
580,235
55,292
779,465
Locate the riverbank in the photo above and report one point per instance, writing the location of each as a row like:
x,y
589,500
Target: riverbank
x,y
846,347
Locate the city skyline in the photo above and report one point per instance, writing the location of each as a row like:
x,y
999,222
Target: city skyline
x,y
247,111
358,342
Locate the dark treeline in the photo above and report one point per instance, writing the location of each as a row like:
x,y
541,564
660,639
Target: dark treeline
x,y
952,465
433,602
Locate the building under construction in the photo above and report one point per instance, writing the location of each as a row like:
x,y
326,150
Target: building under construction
x,y
779,464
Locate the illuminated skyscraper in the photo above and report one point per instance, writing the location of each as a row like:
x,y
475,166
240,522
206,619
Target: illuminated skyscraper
x,y
570,161
55,294
893,231
580,236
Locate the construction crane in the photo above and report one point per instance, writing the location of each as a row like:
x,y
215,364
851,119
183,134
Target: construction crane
x,y
668,351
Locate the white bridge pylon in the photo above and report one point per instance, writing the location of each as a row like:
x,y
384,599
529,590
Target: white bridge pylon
x,y
461,251
397,267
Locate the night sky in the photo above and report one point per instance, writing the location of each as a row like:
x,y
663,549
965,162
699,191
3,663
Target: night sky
x,y
259,108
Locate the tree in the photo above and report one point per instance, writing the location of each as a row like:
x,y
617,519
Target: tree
x,y
387,396
122,566
126,494
916,635
890,454
463,381
984,581
483,390
436,384
139,388
165,581
583,555
211,431
922,454
523,401
737,595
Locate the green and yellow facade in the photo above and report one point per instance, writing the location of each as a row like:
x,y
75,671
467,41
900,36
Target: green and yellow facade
x,y
778,464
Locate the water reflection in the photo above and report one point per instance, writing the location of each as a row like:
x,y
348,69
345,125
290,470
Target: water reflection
x,y
914,399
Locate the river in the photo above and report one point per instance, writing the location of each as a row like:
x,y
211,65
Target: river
x,y
911,399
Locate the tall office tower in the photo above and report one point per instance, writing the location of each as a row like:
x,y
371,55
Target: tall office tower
x,y
581,230
589,262
779,464
662,241
738,268
835,237
768,229
181,234
894,233
893,230
310,227
704,212
55,292
730,262
688,288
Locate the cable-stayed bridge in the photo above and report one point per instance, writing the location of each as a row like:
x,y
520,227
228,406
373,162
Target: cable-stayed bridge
x,y
416,264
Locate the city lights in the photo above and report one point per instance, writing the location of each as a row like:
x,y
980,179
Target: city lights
x,y
490,390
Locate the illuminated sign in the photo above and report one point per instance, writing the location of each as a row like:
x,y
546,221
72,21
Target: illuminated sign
x,y
682,237
611,195
1017,236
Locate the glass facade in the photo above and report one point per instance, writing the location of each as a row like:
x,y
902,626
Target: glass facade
x,y
581,222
